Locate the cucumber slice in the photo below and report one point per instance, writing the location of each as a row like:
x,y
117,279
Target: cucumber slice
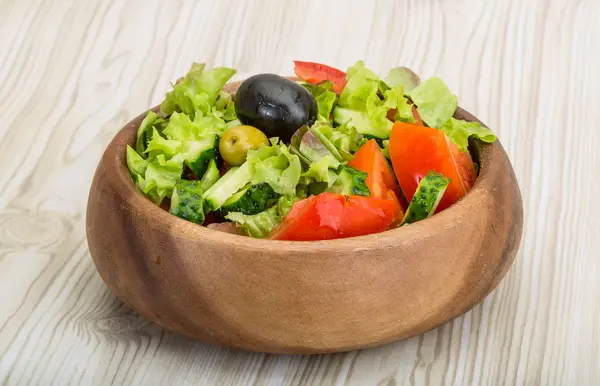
x,y
210,176
228,185
186,201
250,200
351,182
427,197
198,154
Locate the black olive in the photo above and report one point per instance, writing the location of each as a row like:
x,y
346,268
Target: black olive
x,y
275,105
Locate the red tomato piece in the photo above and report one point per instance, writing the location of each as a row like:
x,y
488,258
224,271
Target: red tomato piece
x,y
314,73
415,150
371,160
331,216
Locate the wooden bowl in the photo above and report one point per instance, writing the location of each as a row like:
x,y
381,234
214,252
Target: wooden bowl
x,y
302,297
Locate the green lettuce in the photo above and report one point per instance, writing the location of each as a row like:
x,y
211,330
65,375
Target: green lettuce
x,y
197,91
404,111
161,176
325,98
135,163
361,83
361,106
276,166
161,145
321,171
182,128
459,132
145,130
402,76
386,149
435,102
224,107
261,224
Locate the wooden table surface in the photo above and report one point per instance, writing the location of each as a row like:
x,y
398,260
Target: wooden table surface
x,y
73,72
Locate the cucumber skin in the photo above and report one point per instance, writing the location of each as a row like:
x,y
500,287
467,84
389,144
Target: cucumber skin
x,y
228,185
211,176
199,166
426,197
255,200
351,182
187,201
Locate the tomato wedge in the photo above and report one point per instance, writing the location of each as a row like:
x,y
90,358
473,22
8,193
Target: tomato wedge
x,y
415,150
314,73
371,160
331,216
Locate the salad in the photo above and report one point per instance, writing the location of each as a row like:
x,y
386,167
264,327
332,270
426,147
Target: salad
x,y
332,155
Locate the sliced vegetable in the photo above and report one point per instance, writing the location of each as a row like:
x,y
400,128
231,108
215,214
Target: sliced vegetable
x,y
261,224
351,182
135,163
325,99
435,102
187,202
402,76
182,128
252,199
276,166
324,132
361,83
415,150
359,120
237,141
314,150
315,73
198,91
361,106
144,133
321,171
211,176
199,153
161,176
427,197
234,180
331,215
370,159
460,131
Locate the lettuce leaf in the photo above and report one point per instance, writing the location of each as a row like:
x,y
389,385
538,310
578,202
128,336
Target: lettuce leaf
x,y
404,111
459,132
361,83
435,102
144,132
160,145
276,166
135,163
224,107
320,171
197,91
360,105
261,224
386,149
182,128
161,176
325,98
313,149
402,76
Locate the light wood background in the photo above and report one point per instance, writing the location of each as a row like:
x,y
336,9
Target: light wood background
x,y
72,72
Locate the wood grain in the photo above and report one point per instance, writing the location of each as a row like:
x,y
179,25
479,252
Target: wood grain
x,y
72,73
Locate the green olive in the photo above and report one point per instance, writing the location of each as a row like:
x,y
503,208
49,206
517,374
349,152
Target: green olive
x,y
237,141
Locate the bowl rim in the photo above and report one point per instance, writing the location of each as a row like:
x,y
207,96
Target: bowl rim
x,y
115,159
